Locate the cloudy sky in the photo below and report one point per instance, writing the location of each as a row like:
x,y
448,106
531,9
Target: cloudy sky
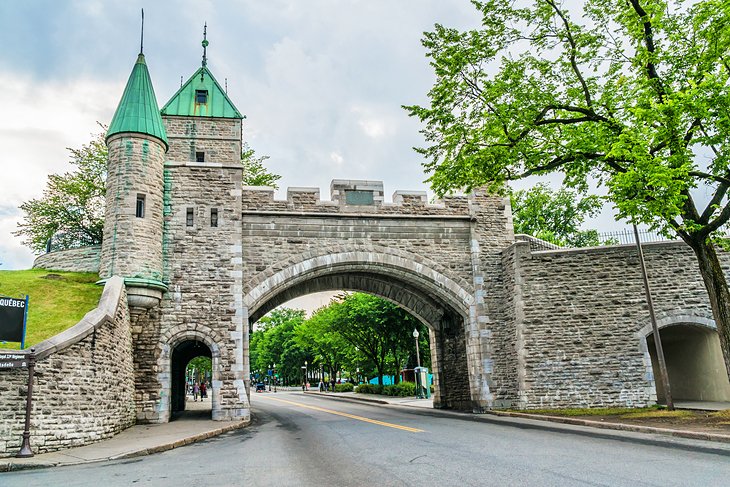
x,y
321,83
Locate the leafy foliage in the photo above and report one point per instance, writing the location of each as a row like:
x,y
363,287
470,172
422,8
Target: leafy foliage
x,y
71,209
633,95
354,332
254,171
555,216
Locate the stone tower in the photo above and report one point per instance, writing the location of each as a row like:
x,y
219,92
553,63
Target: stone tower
x,y
133,226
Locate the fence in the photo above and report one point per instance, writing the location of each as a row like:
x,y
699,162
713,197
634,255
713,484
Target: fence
x,y
621,237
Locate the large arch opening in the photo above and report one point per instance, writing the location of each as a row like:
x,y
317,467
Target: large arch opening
x,y
694,363
183,380
440,304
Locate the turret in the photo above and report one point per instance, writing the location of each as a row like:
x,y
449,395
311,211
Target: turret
x,y
133,227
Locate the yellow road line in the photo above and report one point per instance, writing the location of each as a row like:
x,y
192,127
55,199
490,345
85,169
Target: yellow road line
x,y
351,416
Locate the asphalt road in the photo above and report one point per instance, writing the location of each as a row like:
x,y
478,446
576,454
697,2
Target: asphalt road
x,y
302,440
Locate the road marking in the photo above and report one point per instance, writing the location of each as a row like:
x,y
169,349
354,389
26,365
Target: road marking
x,y
351,416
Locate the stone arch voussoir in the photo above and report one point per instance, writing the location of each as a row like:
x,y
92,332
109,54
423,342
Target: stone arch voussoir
x,y
411,268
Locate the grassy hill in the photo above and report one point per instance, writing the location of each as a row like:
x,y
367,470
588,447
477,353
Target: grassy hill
x,y
58,300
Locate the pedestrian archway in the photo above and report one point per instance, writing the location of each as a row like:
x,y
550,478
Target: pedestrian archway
x,y
694,362
181,356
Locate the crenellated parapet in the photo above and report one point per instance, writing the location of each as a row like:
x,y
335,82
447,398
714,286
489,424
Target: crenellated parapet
x,y
352,197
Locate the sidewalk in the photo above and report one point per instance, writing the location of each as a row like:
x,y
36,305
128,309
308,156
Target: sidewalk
x,y
564,420
138,440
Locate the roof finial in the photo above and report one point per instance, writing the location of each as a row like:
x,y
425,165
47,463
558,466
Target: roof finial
x,y
205,43
141,38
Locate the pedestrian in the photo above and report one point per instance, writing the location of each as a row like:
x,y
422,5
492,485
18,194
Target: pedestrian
x,y
203,391
321,386
196,390
332,382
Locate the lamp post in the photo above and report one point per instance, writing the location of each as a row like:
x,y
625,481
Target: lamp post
x,y
270,377
304,369
418,356
274,377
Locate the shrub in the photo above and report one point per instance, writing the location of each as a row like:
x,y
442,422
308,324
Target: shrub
x,y
369,389
404,389
344,387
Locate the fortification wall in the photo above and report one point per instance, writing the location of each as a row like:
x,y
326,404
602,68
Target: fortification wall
x,y
85,259
83,390
577,316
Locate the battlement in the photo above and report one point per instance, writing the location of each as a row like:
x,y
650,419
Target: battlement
x,y
352,196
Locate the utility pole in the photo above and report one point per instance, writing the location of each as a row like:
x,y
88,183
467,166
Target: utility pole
x,y
663,374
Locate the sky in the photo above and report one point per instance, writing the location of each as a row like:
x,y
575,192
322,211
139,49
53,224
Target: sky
x,y
321,83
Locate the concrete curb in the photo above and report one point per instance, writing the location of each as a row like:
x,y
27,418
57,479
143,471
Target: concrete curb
x,y
8,465
691,435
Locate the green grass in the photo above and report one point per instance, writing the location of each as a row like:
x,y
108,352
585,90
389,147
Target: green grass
x,y
592,411
58,300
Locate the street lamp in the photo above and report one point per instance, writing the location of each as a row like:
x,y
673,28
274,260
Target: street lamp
x,y
304,370
274,376
418,356
269,378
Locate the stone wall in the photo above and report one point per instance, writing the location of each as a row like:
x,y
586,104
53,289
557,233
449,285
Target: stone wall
x,y
83,390
85,259
580,319
218,138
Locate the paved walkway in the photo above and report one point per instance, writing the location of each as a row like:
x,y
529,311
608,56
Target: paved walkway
x,y
196,425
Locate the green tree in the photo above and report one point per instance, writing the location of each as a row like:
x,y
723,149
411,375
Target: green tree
x,y
555,216
71,209
254,171
632,95
274,342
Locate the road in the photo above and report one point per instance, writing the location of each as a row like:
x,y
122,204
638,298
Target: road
x,y
302,440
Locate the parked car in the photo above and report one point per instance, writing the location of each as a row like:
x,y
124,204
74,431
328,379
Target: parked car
x,y
260,387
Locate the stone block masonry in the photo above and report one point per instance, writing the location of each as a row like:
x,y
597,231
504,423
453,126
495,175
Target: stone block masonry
x,y
577,319
84,387
85,259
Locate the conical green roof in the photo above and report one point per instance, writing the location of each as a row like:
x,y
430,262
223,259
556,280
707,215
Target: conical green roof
x,y
185,102
138,110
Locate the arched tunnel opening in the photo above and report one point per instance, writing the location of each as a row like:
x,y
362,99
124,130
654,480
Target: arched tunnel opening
x,y
694,364
445,325
182,383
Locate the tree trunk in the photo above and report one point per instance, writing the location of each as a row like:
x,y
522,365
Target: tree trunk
x,y
717,290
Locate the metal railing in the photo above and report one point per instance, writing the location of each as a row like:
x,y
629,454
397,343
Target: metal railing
x,y
621,237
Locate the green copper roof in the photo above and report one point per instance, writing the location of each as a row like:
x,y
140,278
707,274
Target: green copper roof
x,y
138,110
183,103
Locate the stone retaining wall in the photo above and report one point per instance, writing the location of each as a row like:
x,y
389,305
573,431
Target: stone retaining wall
x,y
84,382
85,259
578,317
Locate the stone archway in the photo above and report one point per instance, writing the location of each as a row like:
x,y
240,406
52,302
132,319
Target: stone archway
x,y
694,359
181,355
442,304
179,345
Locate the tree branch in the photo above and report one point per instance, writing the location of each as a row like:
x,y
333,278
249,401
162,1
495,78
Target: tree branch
x,y
650,47
573,49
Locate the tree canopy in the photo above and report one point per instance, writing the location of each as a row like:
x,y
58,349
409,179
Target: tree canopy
x,y
631,95
555,216
354,332
71,209
254,171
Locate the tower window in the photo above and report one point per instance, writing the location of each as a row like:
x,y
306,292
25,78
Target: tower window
x,y
139,210
200,157
214,217
189,218
201,96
